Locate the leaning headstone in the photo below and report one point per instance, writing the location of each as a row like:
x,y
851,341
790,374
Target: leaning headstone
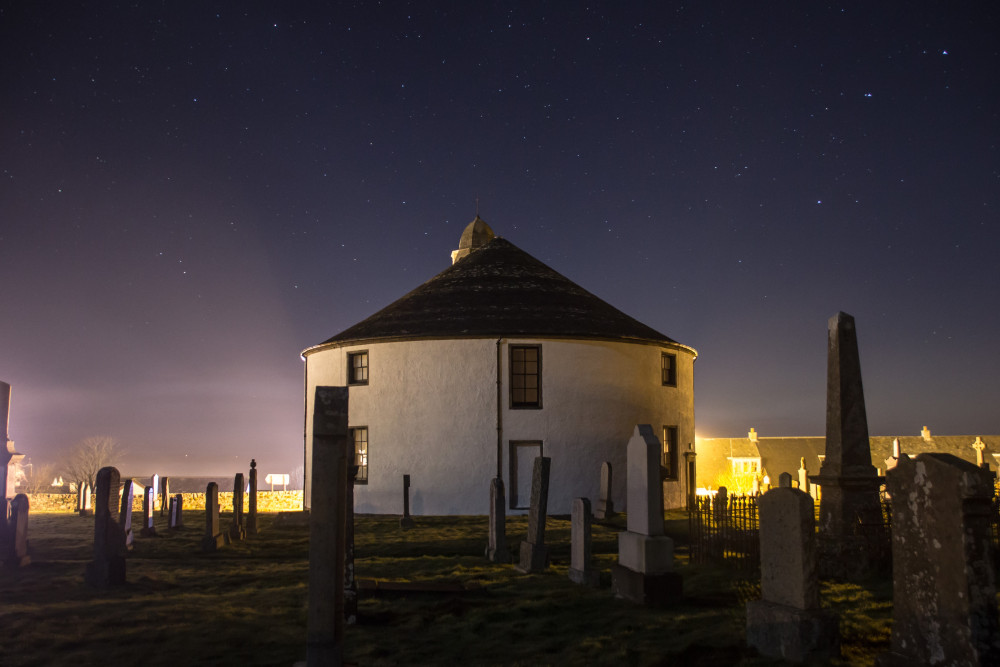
x,y
787,621
581,568
406,522
84,503
496,550
165,495
15,550
108,566
237,532
148,500
944,607
125,513
849,482
534,554
325,620
605,506
644,571
251,522
214,537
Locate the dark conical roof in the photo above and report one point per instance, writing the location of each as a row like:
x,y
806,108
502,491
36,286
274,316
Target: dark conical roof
x,y
499,290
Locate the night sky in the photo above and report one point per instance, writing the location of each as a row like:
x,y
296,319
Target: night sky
x,y
193,193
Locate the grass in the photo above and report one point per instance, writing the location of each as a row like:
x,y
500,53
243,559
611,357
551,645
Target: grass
x,y
246,604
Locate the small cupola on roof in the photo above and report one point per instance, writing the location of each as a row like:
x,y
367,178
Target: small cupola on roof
x,y
477,234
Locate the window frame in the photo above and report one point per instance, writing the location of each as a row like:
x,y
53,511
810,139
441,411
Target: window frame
x,y
669,456
668,377
362,475
351,356
512,402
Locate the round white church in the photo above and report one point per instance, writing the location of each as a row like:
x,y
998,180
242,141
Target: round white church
x,y
496,360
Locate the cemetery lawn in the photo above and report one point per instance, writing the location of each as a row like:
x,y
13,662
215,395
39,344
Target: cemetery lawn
x,y
246,604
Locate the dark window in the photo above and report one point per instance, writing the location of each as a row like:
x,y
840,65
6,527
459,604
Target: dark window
x,y
525,376
360,435
669,452
668,369
357,367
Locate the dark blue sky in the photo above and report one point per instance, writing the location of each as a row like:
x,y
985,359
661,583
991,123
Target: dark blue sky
x,y
192,193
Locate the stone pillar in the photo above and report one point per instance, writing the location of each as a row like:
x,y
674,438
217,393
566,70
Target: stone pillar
x,y
108,566
125,513
691,457
406,522
581,569
15,544
848,480
165,493
497,550
214,537
237,532
803,475
86,507
644,571
325,620
944,607
534,554
787,621
148,501
251,522
605,505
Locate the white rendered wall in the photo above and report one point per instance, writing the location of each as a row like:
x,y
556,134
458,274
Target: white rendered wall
x,y
430,409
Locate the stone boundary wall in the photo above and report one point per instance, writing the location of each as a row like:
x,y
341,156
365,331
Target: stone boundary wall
x,y
267,501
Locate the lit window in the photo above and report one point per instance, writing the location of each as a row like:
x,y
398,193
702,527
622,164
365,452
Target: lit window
x,y
668,369
357,367
360,435
744,465
669,452
525,376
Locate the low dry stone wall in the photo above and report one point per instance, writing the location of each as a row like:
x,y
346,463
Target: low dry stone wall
x,y
267,501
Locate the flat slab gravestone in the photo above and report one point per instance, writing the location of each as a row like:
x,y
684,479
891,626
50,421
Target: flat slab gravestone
x,y
108,566
581,568
534,554
605,506
496,549
15,551
407,521
214,538
125,514
237,533
148,501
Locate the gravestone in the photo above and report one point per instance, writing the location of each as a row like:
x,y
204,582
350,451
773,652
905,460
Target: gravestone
x,y
175,512
534,554
350,582
496,550
785,480
214,537
581,568
15,544
125,514
165,495
803,475
148,501
155,485
237,533
84,503
944,607
251,522
8,457
847,478
406,522
327,520
787,621
644,571
108,566
605,506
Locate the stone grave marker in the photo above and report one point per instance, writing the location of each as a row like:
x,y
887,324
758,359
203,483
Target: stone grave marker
x,y
534,554
148,501
251,522
803,475
406,522
496,550
787,621
9,459
175,513
581,568
214,537
125,513
84,503
644,571
237,532
165,495
350,581
108,566
15,544
944,607
605,506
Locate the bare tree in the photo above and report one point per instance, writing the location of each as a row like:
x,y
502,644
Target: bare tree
x,y
88,456
35,477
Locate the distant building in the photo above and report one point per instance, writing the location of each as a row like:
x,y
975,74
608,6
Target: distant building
x,y
733,462
492,362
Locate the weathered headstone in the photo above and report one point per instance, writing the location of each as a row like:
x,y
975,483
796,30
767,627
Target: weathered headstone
x,y
847,477
944,607
237,532
406,522
325,620
251,522
108,566
15,544
644,571
534,554
350,582
125,513
803,475
165,495
496,550
148,501
214,537
785,480
605,505
581,568
175,512
8,457
787,621
84,504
